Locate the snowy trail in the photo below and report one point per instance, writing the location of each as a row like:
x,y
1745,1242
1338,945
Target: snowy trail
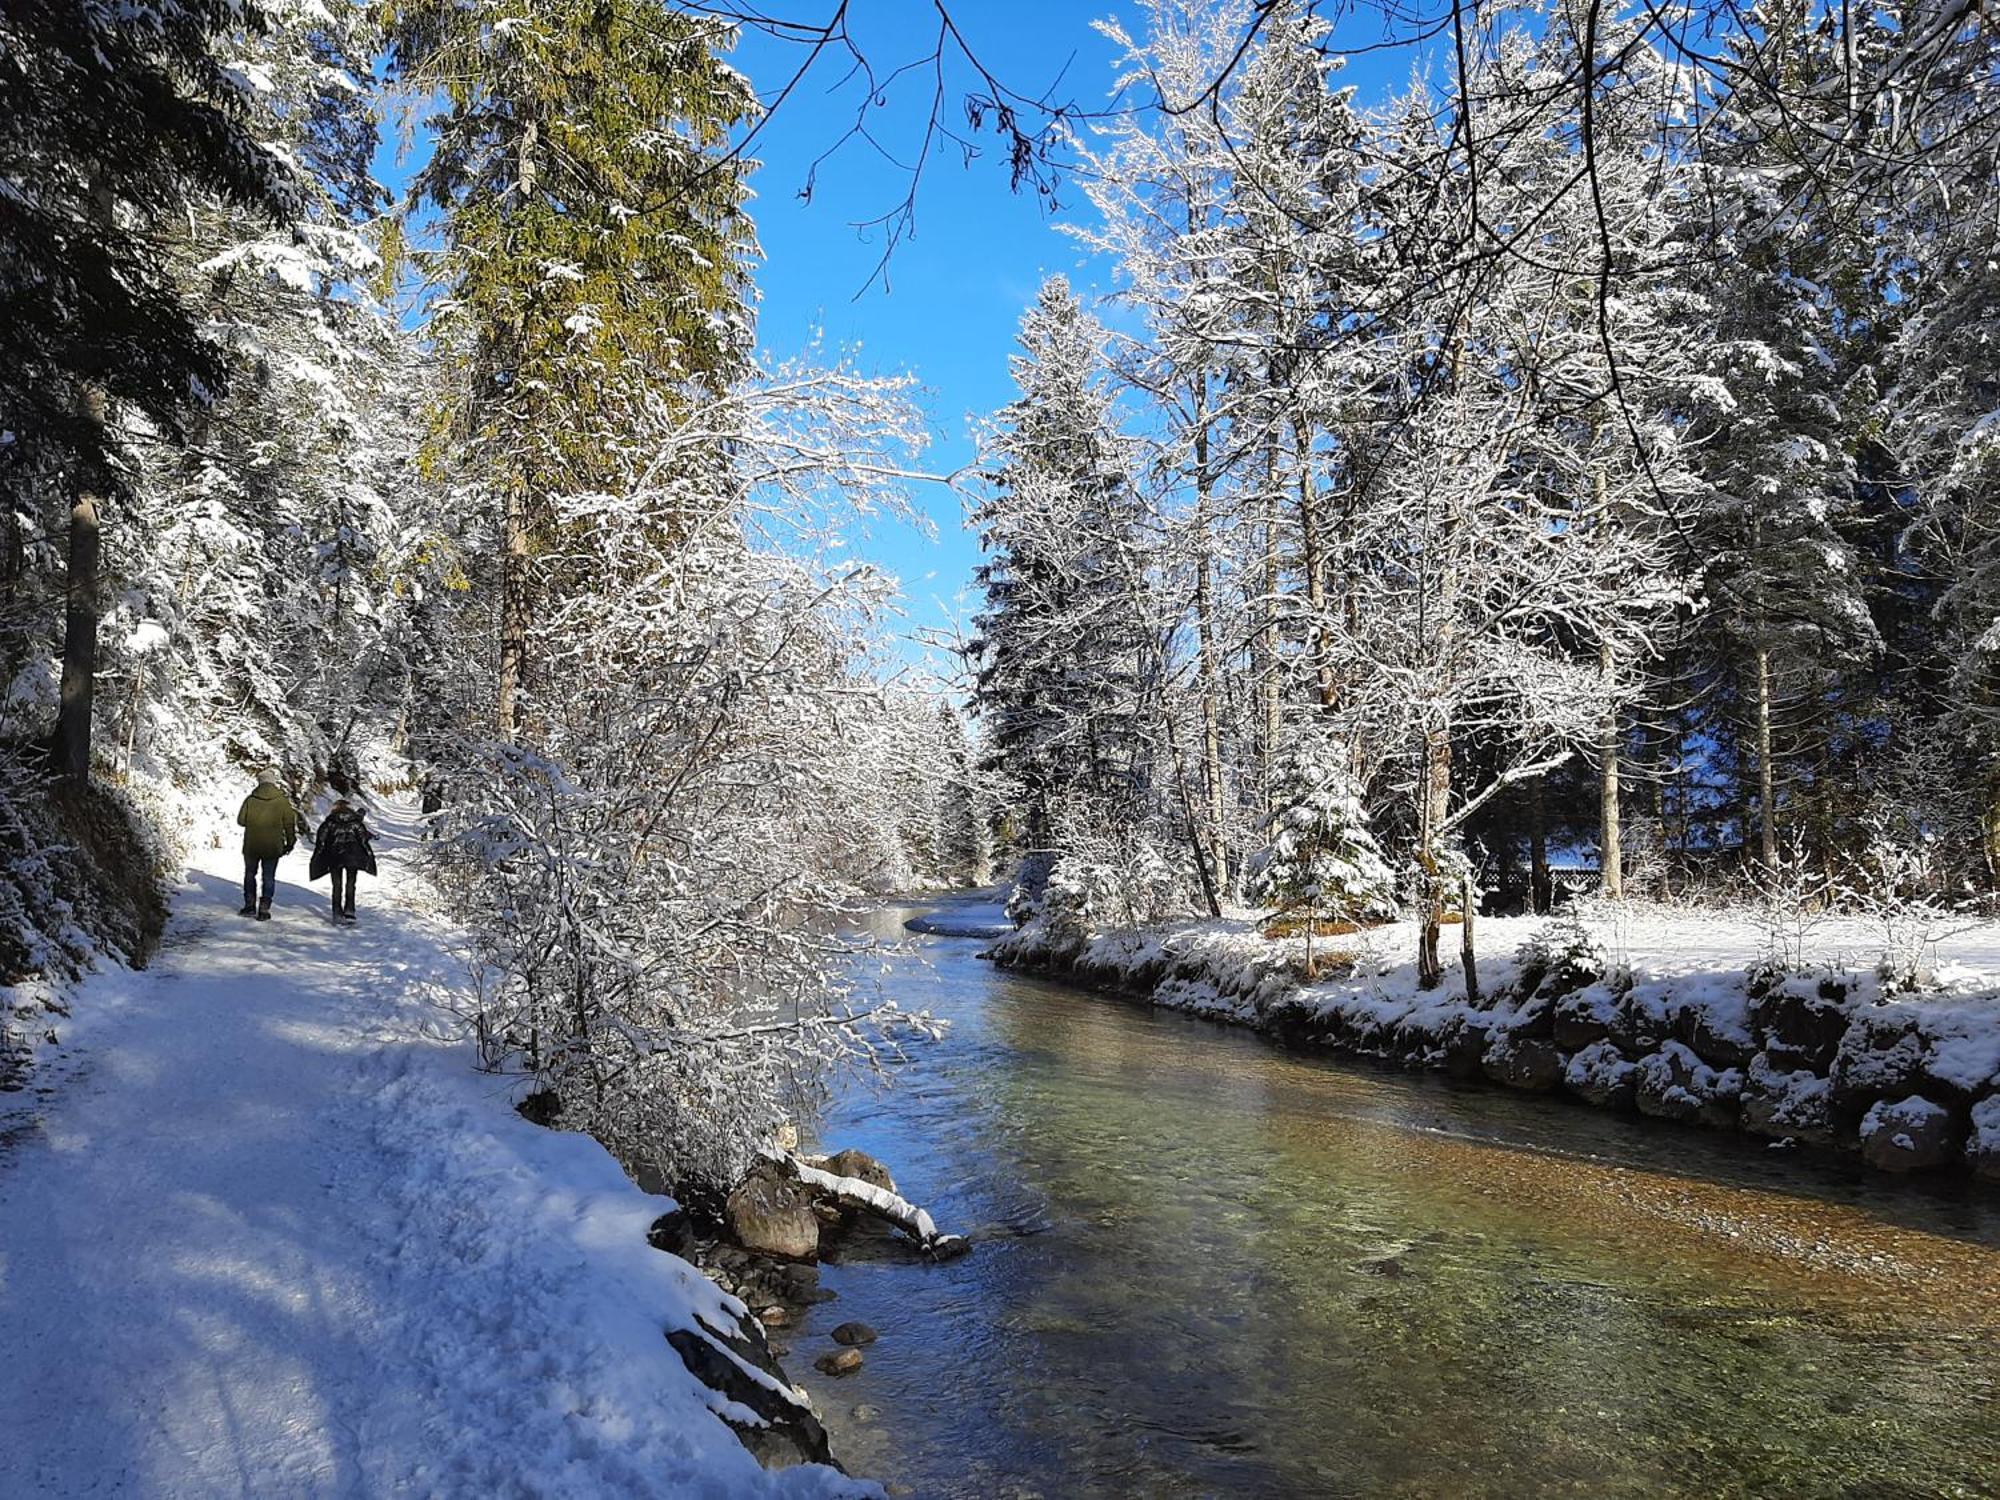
x,y
274,1237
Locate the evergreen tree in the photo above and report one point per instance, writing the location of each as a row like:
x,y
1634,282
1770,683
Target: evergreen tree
x,y
591,245
106,119
1320,858
1058,650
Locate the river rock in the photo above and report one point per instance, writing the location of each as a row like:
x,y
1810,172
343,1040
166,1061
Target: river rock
x,y
839,1362
788,1432
1880,1057
1674,1084
1779,1104
1716,1026
1603,1075
1907,1135
854,1333
1585,1017
1643,1027
1523,1062
1464,1046
1982,1145
852,1163
672,1231
772,1214
1535,1016
1800,1021
1961,1061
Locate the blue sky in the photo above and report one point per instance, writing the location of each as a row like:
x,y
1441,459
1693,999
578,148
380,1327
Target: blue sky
x,y
949,304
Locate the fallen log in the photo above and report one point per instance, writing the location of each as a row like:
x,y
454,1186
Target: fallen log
x,y
865,1197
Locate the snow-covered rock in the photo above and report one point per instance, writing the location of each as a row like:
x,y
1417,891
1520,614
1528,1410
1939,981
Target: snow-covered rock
x,y
1784,1104
1982,1144
1907,1135
1603,1075
1800,1019
1675,1084
772,1213
1880,1057
1524,1062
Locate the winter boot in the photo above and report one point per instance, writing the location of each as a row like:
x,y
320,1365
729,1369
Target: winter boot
x,y
263,913
249,910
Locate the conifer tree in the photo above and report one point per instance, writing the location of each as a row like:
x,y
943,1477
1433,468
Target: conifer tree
x,y
106,120
591,244
1058,649
1321,859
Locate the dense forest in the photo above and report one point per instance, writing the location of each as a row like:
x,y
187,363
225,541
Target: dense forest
x,y
1582,458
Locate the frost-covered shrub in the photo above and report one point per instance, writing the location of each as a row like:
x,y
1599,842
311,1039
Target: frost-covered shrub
x,y
1792,901
671,1007
81,872
1901,894
1031,881
1083,896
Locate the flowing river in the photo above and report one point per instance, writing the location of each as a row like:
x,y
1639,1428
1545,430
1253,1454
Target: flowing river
x,y
1208,1266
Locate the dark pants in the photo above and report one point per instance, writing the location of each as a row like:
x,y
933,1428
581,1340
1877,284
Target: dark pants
x,y
251,862
343,906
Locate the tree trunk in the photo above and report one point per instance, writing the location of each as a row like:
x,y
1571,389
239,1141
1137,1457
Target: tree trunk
x,y
1211,671
1436,799
1539,894
83,596
1767,812
514,516
1611,845
79,668
1467,958
513,610
1315,577
1268,633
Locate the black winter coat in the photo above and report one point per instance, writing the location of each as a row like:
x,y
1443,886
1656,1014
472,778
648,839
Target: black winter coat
x,y
343,843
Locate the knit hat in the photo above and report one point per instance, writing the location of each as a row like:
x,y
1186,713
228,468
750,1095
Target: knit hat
x,y
267,778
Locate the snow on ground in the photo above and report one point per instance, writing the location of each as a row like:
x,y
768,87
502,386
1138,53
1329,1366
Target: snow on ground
x,y
272,1235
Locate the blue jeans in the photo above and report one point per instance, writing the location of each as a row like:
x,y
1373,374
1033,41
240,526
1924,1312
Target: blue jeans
x,y
251,863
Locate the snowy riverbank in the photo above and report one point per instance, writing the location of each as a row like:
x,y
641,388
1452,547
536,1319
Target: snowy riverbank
x,y
264,1230
1668,1012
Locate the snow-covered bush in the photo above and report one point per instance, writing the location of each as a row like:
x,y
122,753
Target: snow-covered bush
x,y
655,887
1566,947
1082,896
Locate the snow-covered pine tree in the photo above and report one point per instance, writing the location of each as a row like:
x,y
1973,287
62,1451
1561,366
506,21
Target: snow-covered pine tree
x,y
1320,859
1059,652
1777,421
591,244
105,121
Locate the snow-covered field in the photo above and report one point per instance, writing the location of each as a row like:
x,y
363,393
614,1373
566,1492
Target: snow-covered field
x,y
1665,1014
265,1232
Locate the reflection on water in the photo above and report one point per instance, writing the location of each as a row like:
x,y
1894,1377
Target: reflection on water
x,y
1209,1267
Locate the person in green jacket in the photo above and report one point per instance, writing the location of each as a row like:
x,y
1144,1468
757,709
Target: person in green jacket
x,y
270,828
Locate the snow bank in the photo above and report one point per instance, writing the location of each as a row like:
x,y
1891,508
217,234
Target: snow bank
x,y
1674,1013
272,1234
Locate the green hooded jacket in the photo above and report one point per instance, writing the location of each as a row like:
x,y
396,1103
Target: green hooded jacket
x,y
270,825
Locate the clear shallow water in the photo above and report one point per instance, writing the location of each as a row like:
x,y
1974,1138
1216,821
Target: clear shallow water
x,y
1206,1266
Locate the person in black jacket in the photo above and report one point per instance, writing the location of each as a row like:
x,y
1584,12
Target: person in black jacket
x,y
346,847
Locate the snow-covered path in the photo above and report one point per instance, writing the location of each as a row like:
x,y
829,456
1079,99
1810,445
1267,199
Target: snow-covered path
x,y
273,1236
